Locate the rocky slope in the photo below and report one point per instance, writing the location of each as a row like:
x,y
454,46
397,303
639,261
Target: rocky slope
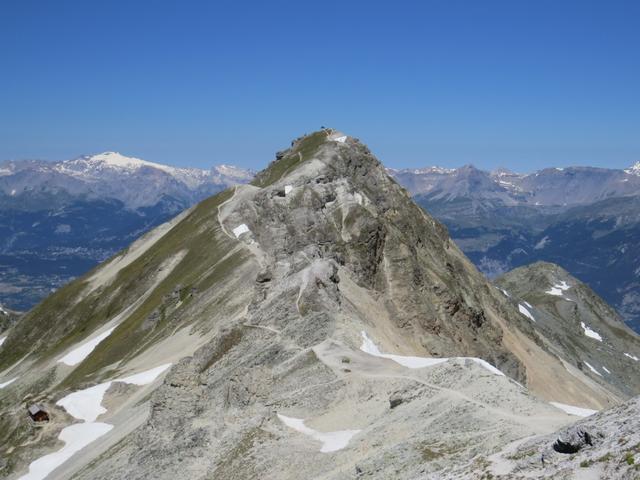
x,y
315,323
605,445
575,323
503,220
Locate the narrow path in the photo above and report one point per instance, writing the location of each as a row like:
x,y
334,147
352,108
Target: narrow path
x,y
235,188
262,327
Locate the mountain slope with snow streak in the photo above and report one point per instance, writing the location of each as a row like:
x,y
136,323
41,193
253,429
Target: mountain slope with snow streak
x,y
580,327
263,330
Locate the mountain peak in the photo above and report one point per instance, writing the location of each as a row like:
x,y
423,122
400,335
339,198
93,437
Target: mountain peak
x,y
634,169
304,148
275,302
118,161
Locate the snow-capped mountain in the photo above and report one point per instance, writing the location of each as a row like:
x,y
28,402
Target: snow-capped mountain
x,y
135,182
58,220
548,187
634,169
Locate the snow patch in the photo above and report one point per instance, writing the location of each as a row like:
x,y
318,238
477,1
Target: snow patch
x,y
506,294
331,441
592,369
525,312
542,243
77,355
558,289
590,333
634,169
368,346
341,139
240,229
632,357
2,339
606,369
146,377
571,410
85,404
8,382
75,437
287,189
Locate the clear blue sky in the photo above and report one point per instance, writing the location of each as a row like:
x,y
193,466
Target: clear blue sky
x,y
522,84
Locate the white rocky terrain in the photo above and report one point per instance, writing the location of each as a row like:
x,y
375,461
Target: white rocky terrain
x,y
313,324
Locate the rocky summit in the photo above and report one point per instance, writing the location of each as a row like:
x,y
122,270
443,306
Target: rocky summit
x,y
315,323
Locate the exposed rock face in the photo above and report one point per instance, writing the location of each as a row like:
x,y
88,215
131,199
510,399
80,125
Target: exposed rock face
x,y
574,440
605,445
576,324
503,220
297,311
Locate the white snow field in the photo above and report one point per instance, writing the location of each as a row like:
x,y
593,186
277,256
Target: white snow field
x,y
368,346
78,354
8,382
75,438
287,189
87,404
590,333
84,405
592,369
632,357
406,361
571,410
331,441
506,294
558,288
146,377
525,312
240,229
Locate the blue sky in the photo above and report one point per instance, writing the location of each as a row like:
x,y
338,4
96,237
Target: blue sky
x,y
521,84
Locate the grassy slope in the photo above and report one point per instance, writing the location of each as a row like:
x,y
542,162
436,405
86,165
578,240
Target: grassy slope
x,y
301,151
65,318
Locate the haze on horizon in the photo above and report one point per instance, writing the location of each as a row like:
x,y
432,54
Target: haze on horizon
x,y
521,85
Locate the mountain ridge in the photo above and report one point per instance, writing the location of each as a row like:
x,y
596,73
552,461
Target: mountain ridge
x,y
262,297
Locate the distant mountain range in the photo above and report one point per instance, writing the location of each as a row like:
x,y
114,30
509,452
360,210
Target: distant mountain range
x,y
585,219
134,182
58,220
316,323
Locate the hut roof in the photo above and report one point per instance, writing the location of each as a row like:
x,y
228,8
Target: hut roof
x,y
33,409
